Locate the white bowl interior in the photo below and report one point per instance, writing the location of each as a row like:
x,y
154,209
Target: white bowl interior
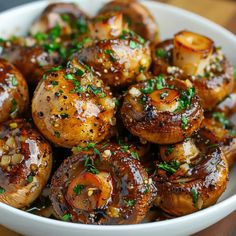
x,y
170,20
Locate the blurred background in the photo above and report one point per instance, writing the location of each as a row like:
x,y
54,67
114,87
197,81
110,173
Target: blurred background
x,y
222,12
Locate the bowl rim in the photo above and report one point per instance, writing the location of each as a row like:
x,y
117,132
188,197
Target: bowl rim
x,y
190,217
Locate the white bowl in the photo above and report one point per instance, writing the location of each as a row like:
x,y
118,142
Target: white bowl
x,y
170,20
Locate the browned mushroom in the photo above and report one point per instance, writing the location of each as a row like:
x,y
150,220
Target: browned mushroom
x,y
137,16
119,62
209,70
14,97
67,16
222,133
186,186
25,163
73,99
228,105
162,110
101,185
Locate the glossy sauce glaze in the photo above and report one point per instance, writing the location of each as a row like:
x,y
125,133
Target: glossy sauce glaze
x,y
26,160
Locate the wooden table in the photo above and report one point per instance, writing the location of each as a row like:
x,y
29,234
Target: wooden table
x,y
222,12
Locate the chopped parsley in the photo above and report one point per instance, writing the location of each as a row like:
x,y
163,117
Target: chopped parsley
x,y
220,117
170,167
184,122
149,88
65,17
54,69
185,98
96,91
66,217
111,54
2,190
129,202
160,52
30,178
90,167
135,155
79,72
78,188
54,83
160,82
40,36
14,81
169,150
13,106
133,44
195,195
57,134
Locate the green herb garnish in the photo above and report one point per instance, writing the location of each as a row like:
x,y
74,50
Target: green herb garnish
x,y
170,167
13,106
135,155
111,54
195,195
30,178
185,98
129,202
160,52
2,190
184,122
169,150
78,188
220,117
133,44
57,134
66,217
90,167
14,81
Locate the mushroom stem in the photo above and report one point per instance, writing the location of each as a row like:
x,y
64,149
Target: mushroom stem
x,y
192,52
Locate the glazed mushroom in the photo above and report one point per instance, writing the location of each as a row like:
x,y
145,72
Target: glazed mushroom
x,y
222,133
119,62
67,16
162,110
14,97
137,16
72,107
228,105
186,186
195,55
25,163
192,52
107,26
101,185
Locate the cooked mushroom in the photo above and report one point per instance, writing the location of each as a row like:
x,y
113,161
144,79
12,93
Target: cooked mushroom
x,y
25,163
119,62
215,81
72,107
222,133
187,186
67,16
137,16
162,54
228,105
107,26
14,97
162,110
101,185
192,52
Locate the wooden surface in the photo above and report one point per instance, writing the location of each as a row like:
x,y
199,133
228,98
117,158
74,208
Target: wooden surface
x,y
223,13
